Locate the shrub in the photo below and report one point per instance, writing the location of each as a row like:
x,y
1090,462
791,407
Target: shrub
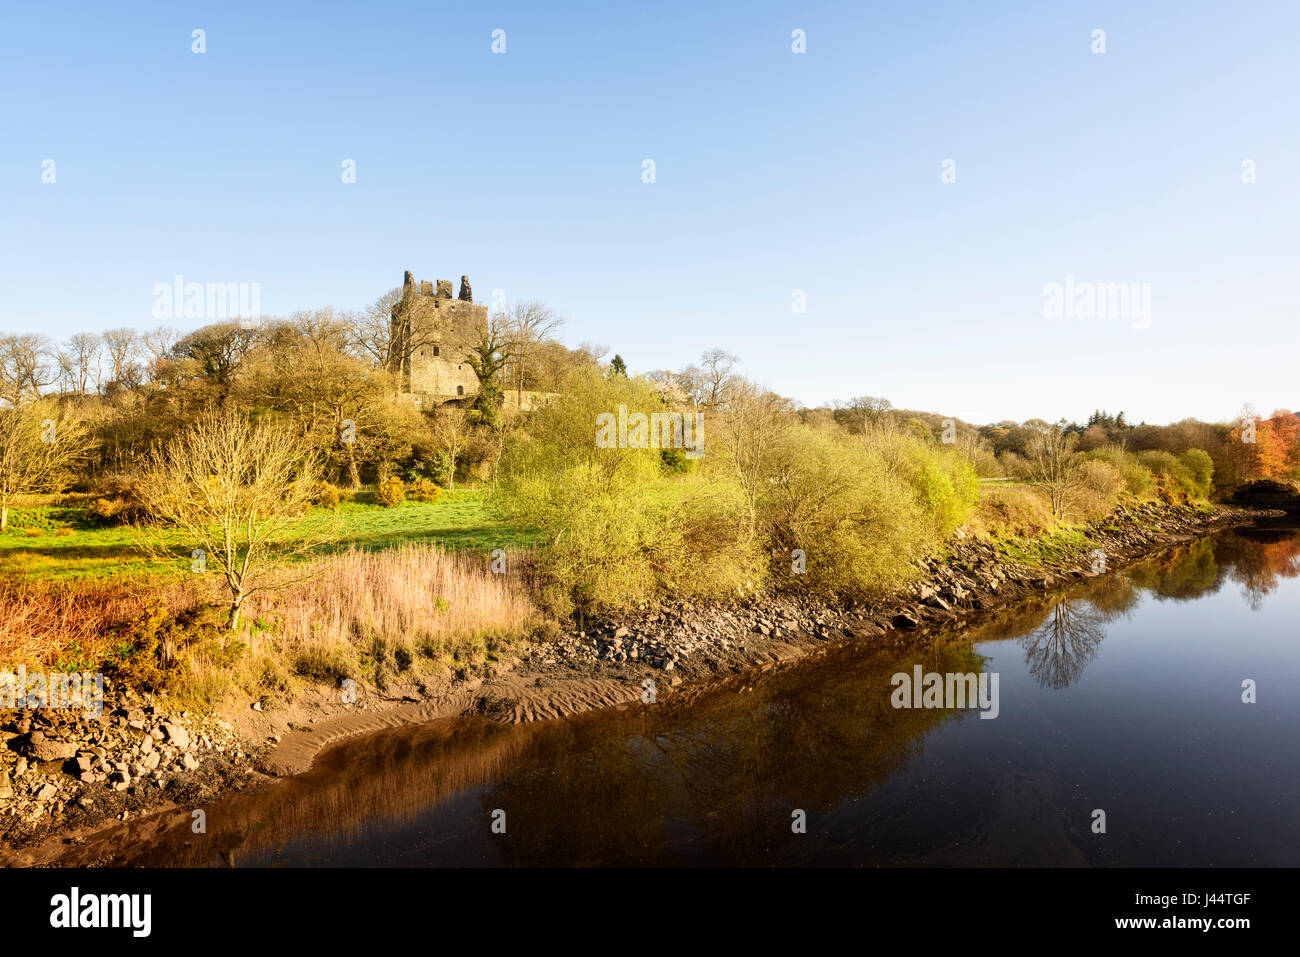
x,y
391,492
425,490
677,462
1096,489
862,510
119,510
1178,482
115,501
1138,479
1201,468
327,495
155,647
1015,510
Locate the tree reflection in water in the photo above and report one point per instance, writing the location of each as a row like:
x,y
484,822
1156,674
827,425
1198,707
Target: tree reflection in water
x,y
1061,636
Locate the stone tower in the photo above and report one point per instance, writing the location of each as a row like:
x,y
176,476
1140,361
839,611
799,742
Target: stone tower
x,y
432,333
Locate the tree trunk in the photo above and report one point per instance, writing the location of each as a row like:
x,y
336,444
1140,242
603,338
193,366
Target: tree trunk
x,y
4,517
353,475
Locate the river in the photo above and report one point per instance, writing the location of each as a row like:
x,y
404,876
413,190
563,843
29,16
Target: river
x,y
1123,695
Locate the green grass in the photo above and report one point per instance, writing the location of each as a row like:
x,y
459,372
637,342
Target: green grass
x,y
70,545
1050,547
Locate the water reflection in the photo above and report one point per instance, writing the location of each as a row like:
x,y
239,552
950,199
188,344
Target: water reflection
x,y
1061,635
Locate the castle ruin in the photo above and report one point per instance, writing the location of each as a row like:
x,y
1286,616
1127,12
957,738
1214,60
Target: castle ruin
x,y
432,335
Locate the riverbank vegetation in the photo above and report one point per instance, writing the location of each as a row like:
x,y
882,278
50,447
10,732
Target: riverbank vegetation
x,y
253,504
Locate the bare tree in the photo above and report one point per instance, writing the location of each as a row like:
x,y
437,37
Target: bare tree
x,y
716,366
451,427
528,326
84,349
370,332
67,367
158,343
1052,465
122,346
707,383
25,367
750,420
869,412
218,351
40,446
234,491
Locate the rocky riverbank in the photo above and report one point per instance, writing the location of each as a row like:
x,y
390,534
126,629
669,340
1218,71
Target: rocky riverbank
x,y
69,770
65,773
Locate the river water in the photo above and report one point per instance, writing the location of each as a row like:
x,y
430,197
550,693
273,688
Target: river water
x,y
1122,696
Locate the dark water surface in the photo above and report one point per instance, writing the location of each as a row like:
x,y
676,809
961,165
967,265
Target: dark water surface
x,y
1123,695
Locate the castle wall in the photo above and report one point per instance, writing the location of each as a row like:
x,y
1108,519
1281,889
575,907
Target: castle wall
x,y
441,376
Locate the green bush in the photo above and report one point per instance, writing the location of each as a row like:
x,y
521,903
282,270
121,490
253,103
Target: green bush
x,y
1201,468
862,509
1139,481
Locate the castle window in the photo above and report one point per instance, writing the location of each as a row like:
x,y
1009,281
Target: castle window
x,y
435,351
460,390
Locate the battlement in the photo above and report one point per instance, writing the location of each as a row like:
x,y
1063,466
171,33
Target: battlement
x,y
441,291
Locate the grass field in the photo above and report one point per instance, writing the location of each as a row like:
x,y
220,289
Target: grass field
x,y
54,541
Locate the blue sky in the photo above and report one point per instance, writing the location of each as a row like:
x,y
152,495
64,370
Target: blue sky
x,y
774,172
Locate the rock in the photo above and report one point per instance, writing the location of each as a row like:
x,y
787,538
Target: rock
x,y
177,735
190,761
257,706
904,621
49,750
45,792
